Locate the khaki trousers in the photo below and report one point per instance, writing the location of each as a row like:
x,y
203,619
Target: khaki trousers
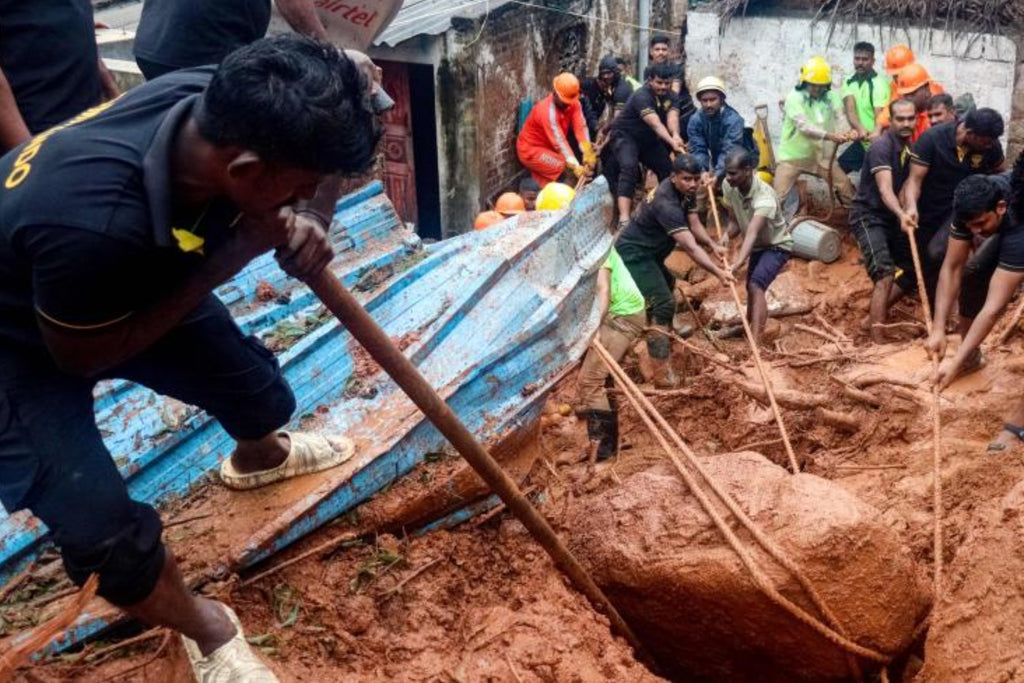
x,y
617,334
786,173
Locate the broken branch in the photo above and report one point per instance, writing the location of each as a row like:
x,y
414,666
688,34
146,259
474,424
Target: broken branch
x,y
842,421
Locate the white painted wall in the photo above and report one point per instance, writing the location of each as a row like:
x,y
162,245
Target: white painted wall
x,y
760,58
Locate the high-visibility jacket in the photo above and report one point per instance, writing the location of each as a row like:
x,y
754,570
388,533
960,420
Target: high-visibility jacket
x,y
547,126
805,123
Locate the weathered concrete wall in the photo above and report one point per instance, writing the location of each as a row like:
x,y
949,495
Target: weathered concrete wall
x,y
760,56
487,69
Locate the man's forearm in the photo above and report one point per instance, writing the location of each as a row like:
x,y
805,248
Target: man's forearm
x,y
107,82
945,292
979,329
93,352
700,233
13,130
302,17
850,107
889,198
673,123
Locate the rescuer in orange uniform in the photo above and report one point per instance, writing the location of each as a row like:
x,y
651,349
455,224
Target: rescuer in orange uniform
x,y
914,83
543,146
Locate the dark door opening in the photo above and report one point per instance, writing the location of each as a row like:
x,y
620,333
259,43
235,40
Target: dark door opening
x,y
411,178
424,145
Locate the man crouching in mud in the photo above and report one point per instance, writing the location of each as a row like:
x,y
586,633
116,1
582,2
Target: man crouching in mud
x,y
983,268
115,228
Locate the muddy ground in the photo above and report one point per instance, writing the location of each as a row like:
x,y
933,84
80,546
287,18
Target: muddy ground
x,y
483,602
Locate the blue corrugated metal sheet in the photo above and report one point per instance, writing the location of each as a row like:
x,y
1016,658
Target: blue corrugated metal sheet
x,y
491,318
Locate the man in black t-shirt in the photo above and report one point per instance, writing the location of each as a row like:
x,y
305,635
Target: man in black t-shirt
x,y
609,91
179,34
667,219
984,224
659,52
876,216
645,132
115,227
50,69
942,157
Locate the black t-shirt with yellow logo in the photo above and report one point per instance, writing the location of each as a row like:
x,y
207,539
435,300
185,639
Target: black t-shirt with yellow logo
x,y
947,166
641,103
86,234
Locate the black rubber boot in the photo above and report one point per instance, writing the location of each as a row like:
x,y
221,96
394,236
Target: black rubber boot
x,y
659,346
603,427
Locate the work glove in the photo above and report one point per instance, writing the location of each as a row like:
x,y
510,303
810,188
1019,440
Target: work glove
x,y
577,170
589,155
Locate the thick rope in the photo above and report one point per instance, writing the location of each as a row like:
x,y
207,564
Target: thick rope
x,y
753,344
833,632
936,429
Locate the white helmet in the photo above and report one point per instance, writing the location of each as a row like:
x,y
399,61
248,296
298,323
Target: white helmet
x,y
710,83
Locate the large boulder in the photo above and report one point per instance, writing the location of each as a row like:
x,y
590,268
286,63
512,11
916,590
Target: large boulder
x,y
663,563
977,634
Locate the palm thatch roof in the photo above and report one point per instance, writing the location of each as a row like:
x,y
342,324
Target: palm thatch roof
x,y
984,16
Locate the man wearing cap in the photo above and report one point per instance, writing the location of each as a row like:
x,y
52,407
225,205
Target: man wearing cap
x,y
510,204
645,132
897,57
865,95
914,83
609,92
813,116
939,160
714,130
543,145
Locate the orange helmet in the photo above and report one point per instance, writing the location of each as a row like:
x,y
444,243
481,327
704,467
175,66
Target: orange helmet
x,y
567,87
486,219
509,204
912,77
898,57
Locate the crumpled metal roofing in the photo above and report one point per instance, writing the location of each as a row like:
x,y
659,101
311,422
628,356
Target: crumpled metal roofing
x,y
432,17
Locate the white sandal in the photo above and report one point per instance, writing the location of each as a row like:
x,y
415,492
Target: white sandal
x,y
309,453
232,662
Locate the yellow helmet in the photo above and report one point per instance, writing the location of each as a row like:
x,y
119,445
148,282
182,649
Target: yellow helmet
x,y
555,196
816,71
766,175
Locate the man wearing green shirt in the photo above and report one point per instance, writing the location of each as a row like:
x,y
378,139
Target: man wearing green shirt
x,y
865,94
623,319
755,213
813,116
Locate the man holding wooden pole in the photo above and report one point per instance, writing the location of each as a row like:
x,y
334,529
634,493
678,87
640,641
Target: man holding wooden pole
x,y
115,228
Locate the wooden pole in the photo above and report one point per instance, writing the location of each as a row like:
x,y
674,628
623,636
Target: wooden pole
x,y
936,428
753,345
340,302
